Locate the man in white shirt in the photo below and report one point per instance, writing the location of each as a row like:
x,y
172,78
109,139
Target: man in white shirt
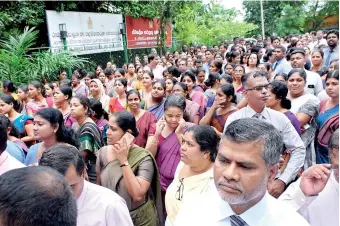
x,y
320,42
313,81
154,67
209,56
96,205
256,93
247,159
316,194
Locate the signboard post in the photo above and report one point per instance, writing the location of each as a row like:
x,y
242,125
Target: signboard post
x,y
87,33
143,32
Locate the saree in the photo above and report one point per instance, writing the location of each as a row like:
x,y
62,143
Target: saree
x,y
198,97
115,106
90,139
102,125
218,121
69,120
20,122
150,212
147,127
193,111
82,90
157,109
327,123
168,157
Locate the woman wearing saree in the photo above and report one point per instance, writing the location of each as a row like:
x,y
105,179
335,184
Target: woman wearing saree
x,y
61,97
305,106
192,109
237,78
38,101
130,171
23,123
169,130
100,117
118,103
189,79
222,107
194,173
78,87
87,132
155,104
146,122
328,119
97,91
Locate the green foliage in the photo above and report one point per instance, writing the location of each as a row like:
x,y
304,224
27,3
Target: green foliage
x,y
210,26
289,17
19,64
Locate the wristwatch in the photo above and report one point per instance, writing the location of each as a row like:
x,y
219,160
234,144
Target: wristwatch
x,y
124,164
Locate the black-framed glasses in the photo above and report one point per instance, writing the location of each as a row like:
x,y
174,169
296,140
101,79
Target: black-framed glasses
x,y
180,188
260,88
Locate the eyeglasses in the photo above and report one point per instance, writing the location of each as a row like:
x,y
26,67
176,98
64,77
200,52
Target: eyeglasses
x,y
260,88
180,188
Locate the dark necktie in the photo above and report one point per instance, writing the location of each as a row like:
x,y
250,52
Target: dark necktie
x,y
257,115
237,221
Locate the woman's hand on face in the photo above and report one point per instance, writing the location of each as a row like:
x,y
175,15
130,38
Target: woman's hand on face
x,y
121,150
218,102
160,126
180,126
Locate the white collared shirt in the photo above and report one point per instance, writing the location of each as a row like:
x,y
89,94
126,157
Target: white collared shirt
x,y
313,83
291,138
211,210
101,207
7,163
321,210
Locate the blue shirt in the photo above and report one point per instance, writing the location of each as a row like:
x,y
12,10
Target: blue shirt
x,y
15,151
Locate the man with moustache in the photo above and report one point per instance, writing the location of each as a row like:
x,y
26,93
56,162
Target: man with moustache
x,y
247,159
332,51
256,93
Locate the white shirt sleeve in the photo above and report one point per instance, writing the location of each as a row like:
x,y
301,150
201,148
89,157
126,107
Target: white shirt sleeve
x,y
118,214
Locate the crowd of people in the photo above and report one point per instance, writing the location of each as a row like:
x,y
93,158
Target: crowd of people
x,y
237,134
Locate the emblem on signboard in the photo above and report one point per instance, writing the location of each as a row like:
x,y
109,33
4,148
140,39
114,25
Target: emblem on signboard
x,y
150,23
89,23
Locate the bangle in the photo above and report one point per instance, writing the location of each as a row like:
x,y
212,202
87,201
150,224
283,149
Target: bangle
x,y
124,164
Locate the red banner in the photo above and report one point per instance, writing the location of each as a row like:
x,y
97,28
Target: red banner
x,y
143,32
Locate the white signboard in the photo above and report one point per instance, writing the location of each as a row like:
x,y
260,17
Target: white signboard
x,y
86,32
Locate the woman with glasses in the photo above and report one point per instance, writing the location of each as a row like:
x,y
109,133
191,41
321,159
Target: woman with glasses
x,y
194,173
305,106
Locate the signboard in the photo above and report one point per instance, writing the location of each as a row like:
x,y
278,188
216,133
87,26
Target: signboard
x,y
86,32
143,32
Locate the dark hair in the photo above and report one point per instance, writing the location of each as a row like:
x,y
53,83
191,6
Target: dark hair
x,y
120,70
266,65
255,131
333,142
38,85
268,54
280,90
258,59
82,73
301,72
200,69
24,88
185,89
212,78
285,76
61,156
334,74
126,121
133,91
159,82
36,196
228,90
227,77
85,102
206,138
173,80
151,57
240,65
298,50
63,134
218,64
66,82
150,74
318,51
3,138
97,109
253,74
232,55
175,101
50,85
189,74
8,99
7,123
67,91
121,80
9,85
333,32
282,48
174,71
108,71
